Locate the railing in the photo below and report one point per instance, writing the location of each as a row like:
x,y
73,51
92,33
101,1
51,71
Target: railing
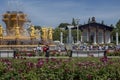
x,y
6,53
81,53
75,53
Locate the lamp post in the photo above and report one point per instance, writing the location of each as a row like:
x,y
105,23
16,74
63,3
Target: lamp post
x,y
77,21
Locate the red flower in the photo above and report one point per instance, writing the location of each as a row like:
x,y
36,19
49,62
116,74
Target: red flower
x,y
40,64
89,76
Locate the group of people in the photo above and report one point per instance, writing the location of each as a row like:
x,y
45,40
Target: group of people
x,y
92,47
38,50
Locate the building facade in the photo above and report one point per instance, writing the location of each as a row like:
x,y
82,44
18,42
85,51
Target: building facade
x,y
96,33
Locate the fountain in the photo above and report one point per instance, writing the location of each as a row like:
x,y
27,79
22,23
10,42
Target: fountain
x,y
15,35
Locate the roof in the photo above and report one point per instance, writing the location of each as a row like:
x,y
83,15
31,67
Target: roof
x,y
94,24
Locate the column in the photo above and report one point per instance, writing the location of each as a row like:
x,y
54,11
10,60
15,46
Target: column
x,y
77,34
88,34
95,38
109,38
70,35
61,37
97,34
116,38
81,37
104,36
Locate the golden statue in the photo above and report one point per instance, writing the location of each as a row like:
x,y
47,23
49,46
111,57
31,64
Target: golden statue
x,y
45,33
17,32
1,31
37,33
32,33
50,33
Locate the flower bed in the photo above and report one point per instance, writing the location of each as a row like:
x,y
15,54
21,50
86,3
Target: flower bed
x,y
60,69
115,53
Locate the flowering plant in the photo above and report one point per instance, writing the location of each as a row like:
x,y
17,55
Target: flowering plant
x,y
60,69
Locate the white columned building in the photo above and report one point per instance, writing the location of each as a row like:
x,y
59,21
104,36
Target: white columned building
x,y
96,33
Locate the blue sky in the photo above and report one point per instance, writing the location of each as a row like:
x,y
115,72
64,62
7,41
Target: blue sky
x,y
53,12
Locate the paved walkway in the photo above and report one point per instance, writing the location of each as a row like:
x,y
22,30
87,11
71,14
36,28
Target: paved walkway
x,y
65,57
49,57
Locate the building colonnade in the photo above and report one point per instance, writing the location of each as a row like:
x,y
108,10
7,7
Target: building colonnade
x,y
95,35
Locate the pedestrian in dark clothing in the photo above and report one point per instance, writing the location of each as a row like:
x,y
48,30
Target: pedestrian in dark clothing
x,y
105,53
14,53
47,51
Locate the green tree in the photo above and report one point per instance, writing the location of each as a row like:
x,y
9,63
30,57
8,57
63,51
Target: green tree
x,y
73,22
111,25
118,26
63,25
89,20
37,27
74,34
102,22
65,35
56,34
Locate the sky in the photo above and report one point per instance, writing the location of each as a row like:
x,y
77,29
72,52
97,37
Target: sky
x,y
51,13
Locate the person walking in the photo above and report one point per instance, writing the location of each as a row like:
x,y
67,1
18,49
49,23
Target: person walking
x,y
47,51
39,49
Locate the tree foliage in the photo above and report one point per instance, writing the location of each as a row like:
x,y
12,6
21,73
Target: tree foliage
x,y
37,27
65,35
56,34
89,20
118,26
63,25
102,22
74,35
73,22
